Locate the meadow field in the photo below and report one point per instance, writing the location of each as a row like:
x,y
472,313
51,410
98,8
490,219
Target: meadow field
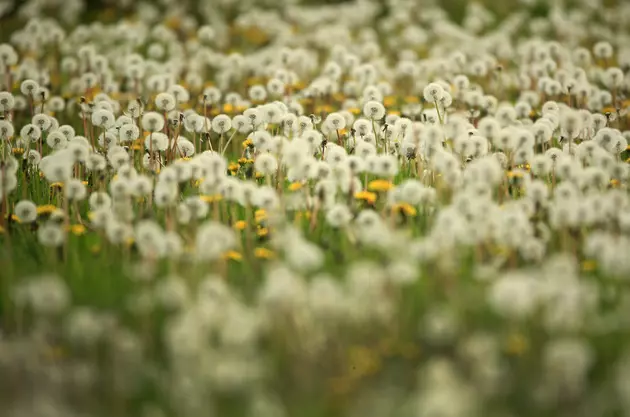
x,y
270,208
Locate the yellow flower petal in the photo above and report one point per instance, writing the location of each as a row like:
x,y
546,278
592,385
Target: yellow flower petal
x,y
260,215
295,186
264,253
77,229
366,196
380,185
212,198
232,255
405,208
46,209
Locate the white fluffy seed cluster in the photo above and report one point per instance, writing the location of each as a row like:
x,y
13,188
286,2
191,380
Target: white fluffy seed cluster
x,y
360,185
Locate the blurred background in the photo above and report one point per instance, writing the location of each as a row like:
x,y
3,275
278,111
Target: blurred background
x,y
93,9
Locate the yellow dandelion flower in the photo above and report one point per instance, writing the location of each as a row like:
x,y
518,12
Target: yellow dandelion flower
x,y
295,186
56,185
262,232
302,215
260,215
363,361
46,209
367,196
173,22
212,198
324,108
232,255
411,100
228,108
259,175
516,344
77,229
380,185
17,151
614,182
389,101
240,225
355,110
339,97
233,166
264,253
405,208
254,80
514,174
247,142
589,265
500,250
243,161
